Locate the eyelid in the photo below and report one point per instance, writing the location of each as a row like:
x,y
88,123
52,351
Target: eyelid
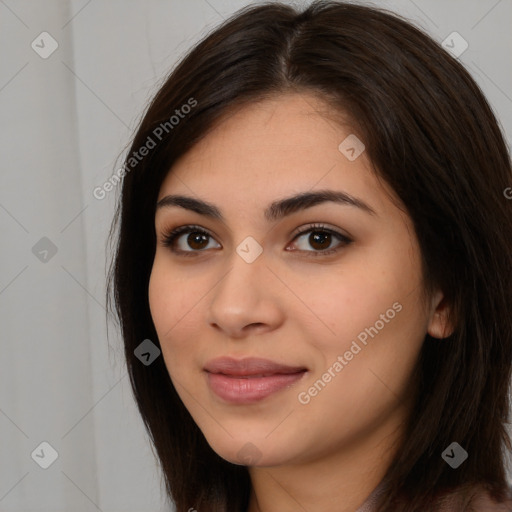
x,y
320,226
344,240
171,235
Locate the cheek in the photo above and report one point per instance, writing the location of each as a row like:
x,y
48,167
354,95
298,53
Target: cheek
x,y
159,298
169,304
372,300
378,329
347,301
172,295
177,298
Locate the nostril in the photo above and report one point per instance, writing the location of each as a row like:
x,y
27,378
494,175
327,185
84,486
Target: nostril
x,y
255,325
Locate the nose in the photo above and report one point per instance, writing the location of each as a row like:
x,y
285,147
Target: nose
x,y
245,300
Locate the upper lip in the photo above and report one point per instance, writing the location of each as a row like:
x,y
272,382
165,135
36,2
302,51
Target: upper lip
x,y
249,366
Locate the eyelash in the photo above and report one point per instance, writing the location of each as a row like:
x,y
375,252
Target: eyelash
x,y
170,238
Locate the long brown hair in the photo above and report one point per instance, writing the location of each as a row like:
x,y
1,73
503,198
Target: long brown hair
x,y
432,136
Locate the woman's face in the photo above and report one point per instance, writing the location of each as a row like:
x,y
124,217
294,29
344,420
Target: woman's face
x,y
337,310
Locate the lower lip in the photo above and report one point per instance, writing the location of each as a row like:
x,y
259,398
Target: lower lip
x,y
240,390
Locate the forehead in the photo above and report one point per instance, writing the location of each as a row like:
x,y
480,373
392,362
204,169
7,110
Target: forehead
x,y
273,148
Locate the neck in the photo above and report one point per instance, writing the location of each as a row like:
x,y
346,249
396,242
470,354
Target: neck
x,y
340,481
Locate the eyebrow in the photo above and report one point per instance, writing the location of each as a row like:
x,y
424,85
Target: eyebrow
x,y
276,210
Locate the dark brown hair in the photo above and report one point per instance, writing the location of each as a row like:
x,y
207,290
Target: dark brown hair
x,y
432,136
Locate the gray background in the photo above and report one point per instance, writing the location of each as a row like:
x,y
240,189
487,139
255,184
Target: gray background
x,y
65,121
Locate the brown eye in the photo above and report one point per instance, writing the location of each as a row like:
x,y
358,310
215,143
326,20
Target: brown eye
x,y
196,241
320,239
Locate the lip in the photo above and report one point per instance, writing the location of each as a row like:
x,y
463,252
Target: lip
x,y
249,380
249,366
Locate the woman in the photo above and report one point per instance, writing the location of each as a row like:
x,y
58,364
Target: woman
x,y
313,231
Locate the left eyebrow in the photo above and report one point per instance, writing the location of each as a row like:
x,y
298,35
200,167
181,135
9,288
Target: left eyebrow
x,y
276,210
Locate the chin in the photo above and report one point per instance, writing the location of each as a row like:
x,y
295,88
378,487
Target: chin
x,y
245,452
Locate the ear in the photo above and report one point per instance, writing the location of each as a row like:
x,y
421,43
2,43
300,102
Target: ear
x,y
439,324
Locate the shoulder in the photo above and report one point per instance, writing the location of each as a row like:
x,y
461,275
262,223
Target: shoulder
x,y
482,502
477,499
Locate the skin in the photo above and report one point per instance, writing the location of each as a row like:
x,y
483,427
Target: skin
x,y
288,306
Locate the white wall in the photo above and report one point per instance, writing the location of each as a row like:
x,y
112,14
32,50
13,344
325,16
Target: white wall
x,y
65,120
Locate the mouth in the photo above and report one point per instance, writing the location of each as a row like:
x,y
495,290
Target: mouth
x,y
250,380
